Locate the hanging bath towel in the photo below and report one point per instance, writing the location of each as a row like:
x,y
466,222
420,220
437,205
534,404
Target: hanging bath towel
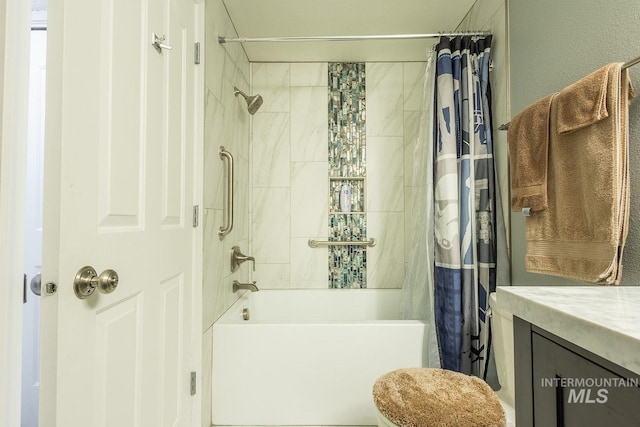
x,y
582,233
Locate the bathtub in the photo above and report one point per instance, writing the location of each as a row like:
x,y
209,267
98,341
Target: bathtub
x,y
309,357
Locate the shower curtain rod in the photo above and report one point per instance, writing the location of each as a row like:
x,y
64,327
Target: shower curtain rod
x,y
349,38
626,65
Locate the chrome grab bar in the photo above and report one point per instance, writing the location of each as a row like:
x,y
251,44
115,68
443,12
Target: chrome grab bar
x,y
226,229
317,243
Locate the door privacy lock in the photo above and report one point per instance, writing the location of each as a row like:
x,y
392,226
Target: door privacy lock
x,y
158,43
87,280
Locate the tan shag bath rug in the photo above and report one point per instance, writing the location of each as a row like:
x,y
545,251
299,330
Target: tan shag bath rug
x,y
427,397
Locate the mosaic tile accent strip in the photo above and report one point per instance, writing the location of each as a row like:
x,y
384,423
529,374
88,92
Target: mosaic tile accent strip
x,y
347,160
347,130
347,264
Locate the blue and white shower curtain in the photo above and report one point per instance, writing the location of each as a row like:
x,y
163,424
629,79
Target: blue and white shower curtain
x,y
464,198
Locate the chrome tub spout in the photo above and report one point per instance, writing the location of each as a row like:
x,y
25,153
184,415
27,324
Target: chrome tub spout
x,y
237,286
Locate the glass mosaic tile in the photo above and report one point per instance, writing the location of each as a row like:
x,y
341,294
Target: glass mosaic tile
x,y
347,166
347,130
347,264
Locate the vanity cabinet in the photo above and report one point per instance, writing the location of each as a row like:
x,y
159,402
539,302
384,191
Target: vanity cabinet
x,y
561,384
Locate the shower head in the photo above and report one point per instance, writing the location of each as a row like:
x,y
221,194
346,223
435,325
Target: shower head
x,y
253,102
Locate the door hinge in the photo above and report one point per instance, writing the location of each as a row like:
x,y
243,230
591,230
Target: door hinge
x,y
193,383
196,212
196,53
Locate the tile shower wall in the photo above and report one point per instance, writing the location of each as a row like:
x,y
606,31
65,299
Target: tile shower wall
x,y
347,147
226,123
289,202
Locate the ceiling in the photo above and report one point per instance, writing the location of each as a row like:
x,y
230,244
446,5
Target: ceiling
x,y
288,18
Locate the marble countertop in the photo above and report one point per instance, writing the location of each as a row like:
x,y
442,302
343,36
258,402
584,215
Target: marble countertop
x,y
602,319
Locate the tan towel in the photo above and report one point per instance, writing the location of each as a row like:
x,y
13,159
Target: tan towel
x,y
584,102
582,233
528,140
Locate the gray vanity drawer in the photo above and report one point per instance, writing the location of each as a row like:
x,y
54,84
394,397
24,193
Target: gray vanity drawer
x,y
561,384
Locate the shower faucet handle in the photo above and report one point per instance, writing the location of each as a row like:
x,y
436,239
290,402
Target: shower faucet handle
x,y
238,258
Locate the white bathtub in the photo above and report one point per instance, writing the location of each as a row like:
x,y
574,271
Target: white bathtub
x,y
309,357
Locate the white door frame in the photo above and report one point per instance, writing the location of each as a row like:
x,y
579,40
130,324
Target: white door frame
x,y
15,18
198,233
14,66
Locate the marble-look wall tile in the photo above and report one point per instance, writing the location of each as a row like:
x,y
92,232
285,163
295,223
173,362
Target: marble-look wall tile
x,y
217,277
206,383
385,174
271,222
271,176
235,127
224,296
242,131
216,55
213,265
271,150
384,95
213,166
385,261
409,229
393,94
411,128
226,123
309,199
236,67
242,192
272,81
309,267
272,276
413,92
309,130
413,85
309,74
222,61
244,271
243,274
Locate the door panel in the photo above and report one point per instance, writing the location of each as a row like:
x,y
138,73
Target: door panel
x,y
126,140
176,111
172,294
122,131
118,361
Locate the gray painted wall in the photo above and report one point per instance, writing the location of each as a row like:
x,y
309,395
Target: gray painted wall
x,y
552,44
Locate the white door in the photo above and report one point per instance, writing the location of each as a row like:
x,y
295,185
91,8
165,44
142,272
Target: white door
x,y
119,195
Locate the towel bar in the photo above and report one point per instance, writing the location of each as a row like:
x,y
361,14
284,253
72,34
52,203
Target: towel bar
x,y
317,243
630,63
